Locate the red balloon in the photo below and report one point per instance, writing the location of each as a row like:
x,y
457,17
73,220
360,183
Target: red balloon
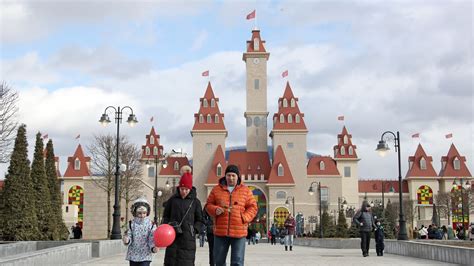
x,y
164,235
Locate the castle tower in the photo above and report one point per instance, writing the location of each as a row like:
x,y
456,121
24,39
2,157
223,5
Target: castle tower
x,y
208,134
151,150
256,112
346,159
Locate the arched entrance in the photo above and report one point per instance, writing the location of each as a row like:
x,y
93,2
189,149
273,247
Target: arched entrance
x,y
279,216
260,221
76,197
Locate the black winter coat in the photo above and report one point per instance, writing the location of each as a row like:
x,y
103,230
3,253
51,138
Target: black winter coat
x,y
183,250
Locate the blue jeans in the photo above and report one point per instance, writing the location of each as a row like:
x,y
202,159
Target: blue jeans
x,y
221,247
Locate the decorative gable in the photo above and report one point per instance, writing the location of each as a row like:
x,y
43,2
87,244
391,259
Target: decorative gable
x,y
288,116
253,166
152,147
78,164
322,166
344,147
209,116
280,173
420,164
217,162
174,165
453,164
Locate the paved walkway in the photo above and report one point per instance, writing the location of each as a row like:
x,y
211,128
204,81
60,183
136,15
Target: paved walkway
x,y
265,254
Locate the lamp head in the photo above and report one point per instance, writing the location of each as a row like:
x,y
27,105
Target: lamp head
x,y
467,185
382,148
132,120
160,193
165,164
455,184
311,191
392,189
104,119
287,203
167,184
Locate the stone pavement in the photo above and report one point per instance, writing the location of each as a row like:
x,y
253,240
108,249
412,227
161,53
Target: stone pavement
x,y
265,254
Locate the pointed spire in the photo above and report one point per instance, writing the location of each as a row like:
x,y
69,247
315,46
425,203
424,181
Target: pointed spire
x,y
288,116
152,145
256,44
209,116
280,173
453,164
217,162
344,147
78,164
420,165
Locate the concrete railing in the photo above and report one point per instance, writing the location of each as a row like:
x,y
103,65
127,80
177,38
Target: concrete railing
x,y
63,255
103,248
431,251
337,243
13,248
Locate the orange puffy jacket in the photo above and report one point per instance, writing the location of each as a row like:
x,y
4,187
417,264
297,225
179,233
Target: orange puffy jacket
x,y
239,207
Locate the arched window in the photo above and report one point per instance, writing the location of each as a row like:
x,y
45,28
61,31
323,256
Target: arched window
x,y
351,150
290,118
346,140
208,119
213,102
285,102
292,102
343,151
281,171
282,118
219,170
422,163
201,118
457,163
281,195
216,118
204,102
322,166
147,151
155,150
77,164
256,44
176,166
152,140
424,195
297,118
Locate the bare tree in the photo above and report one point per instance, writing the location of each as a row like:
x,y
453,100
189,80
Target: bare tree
x,y
130,180
443,201
409,209
8,122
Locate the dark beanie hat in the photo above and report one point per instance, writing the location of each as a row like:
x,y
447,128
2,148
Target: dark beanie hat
x,y
186,181
232,169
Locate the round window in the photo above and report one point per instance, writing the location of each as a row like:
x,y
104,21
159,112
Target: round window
x,y
249,121
256,121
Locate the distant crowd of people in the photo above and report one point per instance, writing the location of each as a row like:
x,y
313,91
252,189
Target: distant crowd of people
x,y
444,232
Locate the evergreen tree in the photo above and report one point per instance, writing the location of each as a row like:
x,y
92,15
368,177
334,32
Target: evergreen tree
x,y
328,226
41,190
353,231
390,220
19,221
341,228
58,228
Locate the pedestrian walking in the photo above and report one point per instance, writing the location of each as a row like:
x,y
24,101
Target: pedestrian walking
x,y
184,212
273,233
290,225
364,219
423,232
233,207
209,234
445,232
257,237
379,235
77,231
139,235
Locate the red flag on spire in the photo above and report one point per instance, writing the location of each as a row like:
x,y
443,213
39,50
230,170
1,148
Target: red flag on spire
x,y
251,15
45,136
448,136
205,73
284,74
340,118
151,119
78,136
416,135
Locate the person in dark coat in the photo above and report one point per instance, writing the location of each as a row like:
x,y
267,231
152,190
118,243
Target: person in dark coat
x,y
364,219
290,225
77,231
184,212
209,234
379,238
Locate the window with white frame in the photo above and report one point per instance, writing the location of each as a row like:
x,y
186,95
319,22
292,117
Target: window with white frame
x,y
347,171
292,102
151,171
285,102
204,102
147,151
343,150
208,119
216,118
290,118
282,118
176,165
346,140
213,102
350,150
281,194
77,164
256,44
152,140
457,163
201,118
324,196
297,118
322,166
219,170
281,171
422,163
155,150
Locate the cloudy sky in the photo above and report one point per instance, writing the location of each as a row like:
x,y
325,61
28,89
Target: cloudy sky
x,y
385,65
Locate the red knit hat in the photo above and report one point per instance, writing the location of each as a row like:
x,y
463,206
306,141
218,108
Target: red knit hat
x,y
186,180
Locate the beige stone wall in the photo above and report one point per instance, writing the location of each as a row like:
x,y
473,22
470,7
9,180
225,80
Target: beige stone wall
x,y
202,158
67,184
350,185
256,99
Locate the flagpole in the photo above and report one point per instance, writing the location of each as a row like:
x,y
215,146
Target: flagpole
x,y
255,25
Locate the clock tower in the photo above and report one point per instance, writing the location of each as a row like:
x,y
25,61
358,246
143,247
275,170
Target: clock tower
x,y
256,112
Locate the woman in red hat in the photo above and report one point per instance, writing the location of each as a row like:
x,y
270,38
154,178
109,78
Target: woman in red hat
x,y
184,212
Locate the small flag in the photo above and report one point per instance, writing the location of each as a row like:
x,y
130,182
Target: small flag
x,y
45,136
417,135
205,73
78,136
251,15
151,119
284,74
340,118
448,136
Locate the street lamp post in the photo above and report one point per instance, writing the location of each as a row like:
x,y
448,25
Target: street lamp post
x,y
382,148
287,203
463,187
105,120
311,192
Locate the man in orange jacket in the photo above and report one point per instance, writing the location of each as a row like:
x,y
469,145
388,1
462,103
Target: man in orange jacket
x,y
233,207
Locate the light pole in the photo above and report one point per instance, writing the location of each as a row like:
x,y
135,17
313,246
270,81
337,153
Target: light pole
x,y
463,187
382,148
157,193
105,120
287,203
311,192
